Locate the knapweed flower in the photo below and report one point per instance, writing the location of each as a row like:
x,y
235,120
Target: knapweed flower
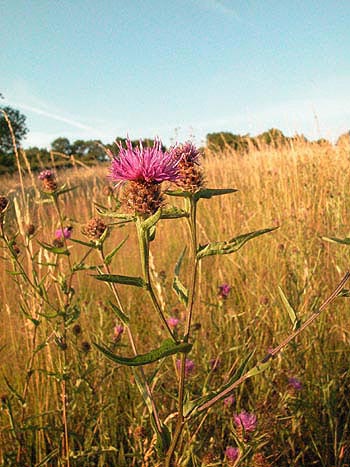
x,y
295,383
229,401
49,180
189,366
139,164
173,322
224,290
190,175
95,228
246,421
117,332
66,233
231,454
144,168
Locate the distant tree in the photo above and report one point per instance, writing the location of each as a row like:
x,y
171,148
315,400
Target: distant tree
x,y
224,139
89,150
18,124
62,145
272,137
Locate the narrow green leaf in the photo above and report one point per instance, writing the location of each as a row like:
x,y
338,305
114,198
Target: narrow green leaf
x,y
54,249
173,212
290,310
191,406
152,220
342,241
47,458
119,279
230,246
118,312
109,257
178,287
208,193
179,193
64,190
81,242
168,347
106,212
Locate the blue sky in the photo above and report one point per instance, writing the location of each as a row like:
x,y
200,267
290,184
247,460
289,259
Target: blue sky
x,y
88,69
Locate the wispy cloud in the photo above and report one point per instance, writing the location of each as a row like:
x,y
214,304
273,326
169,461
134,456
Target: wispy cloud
x,y
54,116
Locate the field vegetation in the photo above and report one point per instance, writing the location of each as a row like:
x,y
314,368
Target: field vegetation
x,y
301,401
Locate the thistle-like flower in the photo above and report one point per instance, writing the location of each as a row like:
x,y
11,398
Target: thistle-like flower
x,y
190,173
245,423
95,228
49,180
144,168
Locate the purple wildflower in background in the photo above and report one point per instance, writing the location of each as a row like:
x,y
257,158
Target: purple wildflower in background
x,y
46,175
187,152
117,332
173,322
229,401
66,232
295,383
245,420
189,366
224,290
231,454
143,164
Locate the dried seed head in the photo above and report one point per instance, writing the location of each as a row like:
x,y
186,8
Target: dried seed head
x,y
190,176
58,243
259,460
95,228
4,398
76,329
49,185
3,203
30,230
142,197
140,432
208,458
16,249
85,346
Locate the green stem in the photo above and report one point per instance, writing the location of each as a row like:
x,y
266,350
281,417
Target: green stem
x,y
192,289
143,237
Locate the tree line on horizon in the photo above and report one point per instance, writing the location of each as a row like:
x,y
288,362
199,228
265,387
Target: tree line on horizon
x,y
91,152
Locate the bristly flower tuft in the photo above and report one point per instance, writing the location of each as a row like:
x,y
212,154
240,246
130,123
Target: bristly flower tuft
x,y
190,173
143,164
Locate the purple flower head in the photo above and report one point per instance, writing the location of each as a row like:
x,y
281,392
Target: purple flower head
x,y
295,383
139,164
66,232
224,290
117,332
189,366
46,175
173,322
229,401
186,152
245,420
231,454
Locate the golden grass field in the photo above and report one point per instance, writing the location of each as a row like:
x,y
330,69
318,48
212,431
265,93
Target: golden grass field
x,y
304,190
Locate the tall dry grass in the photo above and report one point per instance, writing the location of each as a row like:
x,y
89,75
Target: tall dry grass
x,y
305,191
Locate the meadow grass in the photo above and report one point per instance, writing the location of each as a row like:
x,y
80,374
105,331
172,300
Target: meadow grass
x,y
304,191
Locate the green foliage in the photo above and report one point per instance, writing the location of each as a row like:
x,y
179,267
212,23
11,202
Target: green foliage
x,y
18,124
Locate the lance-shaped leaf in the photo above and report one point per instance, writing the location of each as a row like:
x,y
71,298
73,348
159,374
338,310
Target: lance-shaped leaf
x,y
81,242
173,212
208,193
168,347
230,246
290,310
118,312
54,249
109,257
119,279
180,290
342,241
106,212
192,406
64,190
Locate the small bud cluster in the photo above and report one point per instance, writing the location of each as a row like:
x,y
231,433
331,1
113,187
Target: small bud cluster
x,y
190,175
142,197
95,228
49,183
